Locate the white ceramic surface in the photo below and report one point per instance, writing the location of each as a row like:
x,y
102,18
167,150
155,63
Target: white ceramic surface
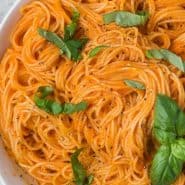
x,y
9,172
5,6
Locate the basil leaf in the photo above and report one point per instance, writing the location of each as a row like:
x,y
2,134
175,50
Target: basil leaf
x,y
69,108
53,107
45,91
71,48
50,106
169,120
79,171
68,46
135,84
41,103
165,167
178,149
126,19
96,50
169,128
154,53
56,40
75,46
110,17
167,55
70,29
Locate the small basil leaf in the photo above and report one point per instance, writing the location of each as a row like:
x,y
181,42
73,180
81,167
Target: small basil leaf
x,y
56,40
68,45
169,120
45,91
154,54
39,102
74,50
126,19
135,84
74,43
53,107
79,171
75,46
71,48
56,108
49,106
165,167
96,50
110,17
70,29
178,149
167,55
75,16
70,108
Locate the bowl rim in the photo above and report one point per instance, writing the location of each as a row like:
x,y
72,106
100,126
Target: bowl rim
x,y
8,14
8,21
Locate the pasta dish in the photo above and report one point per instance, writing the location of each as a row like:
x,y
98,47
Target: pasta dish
x,y
92,92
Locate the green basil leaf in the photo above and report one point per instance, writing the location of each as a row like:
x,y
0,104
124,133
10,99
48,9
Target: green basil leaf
x,y
164,54
45,91
75,16
110,17
165,167
96,50
79,171
56,108
178,149
70,108
68,46
49,106
56,40
126,19
71,48
41,103
76,55
154,53
53,107
70,29
75,46
169,120
135,84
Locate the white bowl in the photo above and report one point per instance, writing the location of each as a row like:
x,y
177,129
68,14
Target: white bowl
x,y
7,24
9,172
